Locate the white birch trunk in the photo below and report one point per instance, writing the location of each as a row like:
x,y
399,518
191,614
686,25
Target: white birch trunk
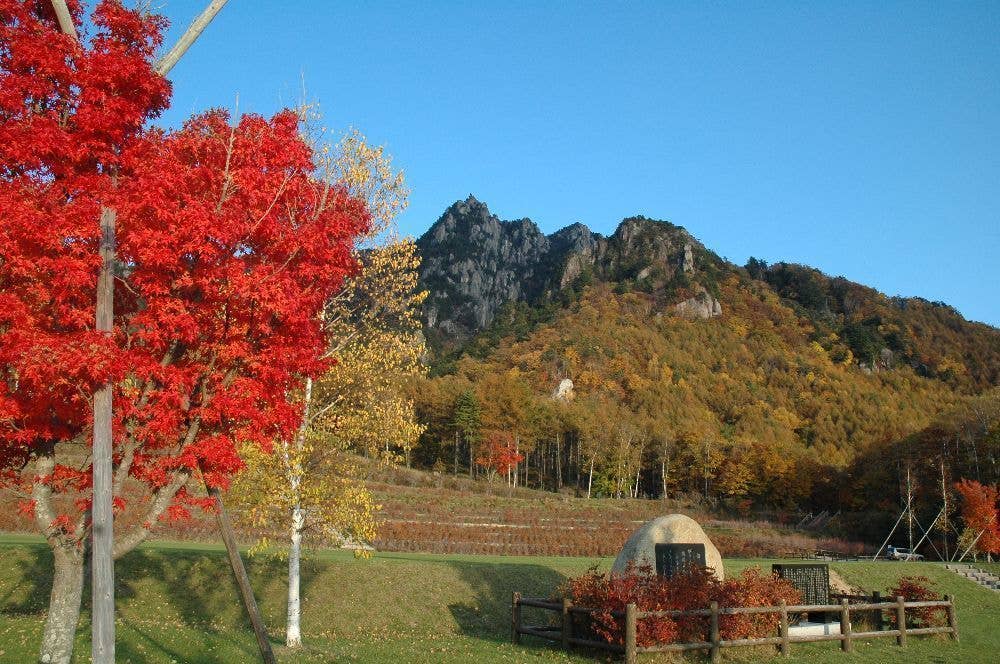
x,y
590,479
517,465
293,628
558,462
527,465
293,632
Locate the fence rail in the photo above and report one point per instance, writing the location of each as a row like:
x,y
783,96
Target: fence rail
x,y
564,635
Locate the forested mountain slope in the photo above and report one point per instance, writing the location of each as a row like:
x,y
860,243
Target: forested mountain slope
x,y
756,385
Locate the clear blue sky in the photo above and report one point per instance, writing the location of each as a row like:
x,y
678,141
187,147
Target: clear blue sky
x,y
862,139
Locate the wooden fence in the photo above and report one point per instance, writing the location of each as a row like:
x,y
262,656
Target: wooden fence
x,y
563,633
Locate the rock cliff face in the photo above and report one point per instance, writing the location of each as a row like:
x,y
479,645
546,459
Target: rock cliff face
x,y
474,263
702,305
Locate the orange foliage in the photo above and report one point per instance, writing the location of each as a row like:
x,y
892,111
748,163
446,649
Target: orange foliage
x,y
979,510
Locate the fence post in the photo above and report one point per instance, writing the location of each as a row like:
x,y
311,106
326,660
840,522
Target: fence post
x,y
714,631
515,618
877,613
901,621
783,647
567,623
952,619
630,628
845,626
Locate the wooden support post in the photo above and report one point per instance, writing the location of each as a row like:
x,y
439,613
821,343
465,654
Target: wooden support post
x,y
242,580
901,621
167,62
515,618
714,631
783,646
65,18
952,619
845,626
567,623
630,628
877,613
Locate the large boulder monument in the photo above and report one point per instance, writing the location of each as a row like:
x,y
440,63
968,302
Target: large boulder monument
x,y
640,549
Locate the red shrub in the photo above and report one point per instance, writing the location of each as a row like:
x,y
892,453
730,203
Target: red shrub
x,y
696,589
918,589
753,588
611,593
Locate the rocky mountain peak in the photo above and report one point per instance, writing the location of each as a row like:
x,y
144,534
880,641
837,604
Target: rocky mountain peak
x,y
474,262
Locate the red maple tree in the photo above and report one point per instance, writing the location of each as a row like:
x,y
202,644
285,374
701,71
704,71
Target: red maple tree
x,y
228,246
979,511
498,454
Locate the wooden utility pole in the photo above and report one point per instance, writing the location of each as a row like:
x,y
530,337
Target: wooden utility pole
x,y
64,17
102,512
102,509
909,503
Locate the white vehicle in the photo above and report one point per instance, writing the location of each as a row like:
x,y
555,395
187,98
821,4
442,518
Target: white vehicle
x,y
896,553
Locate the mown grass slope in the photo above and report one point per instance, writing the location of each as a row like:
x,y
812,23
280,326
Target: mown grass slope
x,y
177,603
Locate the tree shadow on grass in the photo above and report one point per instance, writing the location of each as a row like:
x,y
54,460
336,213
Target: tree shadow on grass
x,y
199,593
130,650
156,587
487,616
194,590
29,592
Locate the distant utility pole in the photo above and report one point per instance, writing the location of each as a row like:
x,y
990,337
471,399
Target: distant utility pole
x,y
909,505
944,511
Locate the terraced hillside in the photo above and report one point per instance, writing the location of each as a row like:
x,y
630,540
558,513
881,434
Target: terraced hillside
x,y
450,521
438,513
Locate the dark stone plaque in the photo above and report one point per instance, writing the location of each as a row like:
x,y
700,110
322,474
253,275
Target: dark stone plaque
x,y
812,580
671,559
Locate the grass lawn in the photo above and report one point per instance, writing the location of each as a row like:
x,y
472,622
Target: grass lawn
x,y
178,603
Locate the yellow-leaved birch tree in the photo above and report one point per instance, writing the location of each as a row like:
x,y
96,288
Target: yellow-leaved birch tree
x,y
311,485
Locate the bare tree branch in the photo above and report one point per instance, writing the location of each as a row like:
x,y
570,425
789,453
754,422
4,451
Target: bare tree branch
x,y
162,498
41,493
